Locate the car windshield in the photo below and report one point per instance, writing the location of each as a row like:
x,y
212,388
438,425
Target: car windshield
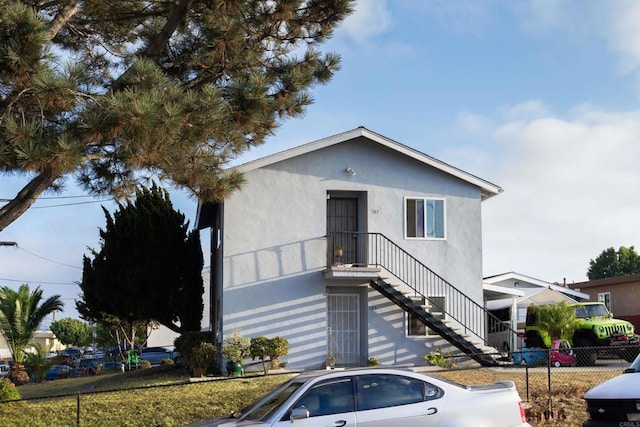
x,y
591,310
266,406
635,366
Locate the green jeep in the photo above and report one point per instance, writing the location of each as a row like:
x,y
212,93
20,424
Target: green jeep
x,y
596,329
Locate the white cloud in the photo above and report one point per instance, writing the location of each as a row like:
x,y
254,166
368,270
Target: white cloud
x,y
539,17
371,17
571,191
472,122
622,32
527,110
617,24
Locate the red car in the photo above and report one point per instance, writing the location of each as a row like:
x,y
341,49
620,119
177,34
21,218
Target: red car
x,y
561,354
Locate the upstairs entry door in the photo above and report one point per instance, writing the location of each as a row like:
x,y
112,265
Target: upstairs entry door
x,y
342,217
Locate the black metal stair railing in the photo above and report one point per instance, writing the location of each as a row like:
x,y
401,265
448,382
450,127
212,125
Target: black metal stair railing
x,y
376,250
433,322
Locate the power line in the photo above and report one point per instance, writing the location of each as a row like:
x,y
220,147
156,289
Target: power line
x,y
38,282
48,259
4,199
65,197
73,204
63,204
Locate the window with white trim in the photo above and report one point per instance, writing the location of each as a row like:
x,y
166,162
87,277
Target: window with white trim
x,y
605,297
424,218
415,327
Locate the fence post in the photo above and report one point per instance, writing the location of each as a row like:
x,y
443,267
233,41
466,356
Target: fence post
x,y
549,403
526,372
78,412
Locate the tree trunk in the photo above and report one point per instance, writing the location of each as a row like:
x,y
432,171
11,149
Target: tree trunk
x,y
25,198
18,374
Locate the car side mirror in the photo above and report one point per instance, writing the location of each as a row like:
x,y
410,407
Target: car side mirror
x,y
299,413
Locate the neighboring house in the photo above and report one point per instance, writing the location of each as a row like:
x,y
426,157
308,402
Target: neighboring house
x,y
46,339
509,293
319,240
620,294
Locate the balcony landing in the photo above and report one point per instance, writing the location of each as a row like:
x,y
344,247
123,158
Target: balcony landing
x,y
342,272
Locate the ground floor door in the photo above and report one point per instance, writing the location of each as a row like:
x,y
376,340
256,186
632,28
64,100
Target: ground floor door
x,y
343,328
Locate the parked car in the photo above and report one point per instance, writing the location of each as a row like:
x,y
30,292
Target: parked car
x,y
91,366
66,360
155,355
4,371
57,372
76,353
615,402
380,397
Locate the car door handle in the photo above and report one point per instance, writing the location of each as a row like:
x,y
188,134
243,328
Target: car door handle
x,y
431,411
340,423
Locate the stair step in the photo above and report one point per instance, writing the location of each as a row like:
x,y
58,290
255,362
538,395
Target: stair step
x,y
460,340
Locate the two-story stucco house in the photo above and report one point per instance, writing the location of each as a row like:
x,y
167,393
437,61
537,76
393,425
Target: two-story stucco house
x,y
353,246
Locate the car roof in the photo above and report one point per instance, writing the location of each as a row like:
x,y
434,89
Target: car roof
x,y
305,376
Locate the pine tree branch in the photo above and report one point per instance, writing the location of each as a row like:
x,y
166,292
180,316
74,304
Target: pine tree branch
x,y
156,45
26,198
62,18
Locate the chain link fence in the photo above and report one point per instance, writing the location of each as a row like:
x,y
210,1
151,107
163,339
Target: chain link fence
x,y
551,382
552,392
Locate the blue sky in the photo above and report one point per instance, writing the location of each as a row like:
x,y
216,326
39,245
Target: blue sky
x,y
539,97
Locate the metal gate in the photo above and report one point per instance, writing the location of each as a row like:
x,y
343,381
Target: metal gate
x,y
343,332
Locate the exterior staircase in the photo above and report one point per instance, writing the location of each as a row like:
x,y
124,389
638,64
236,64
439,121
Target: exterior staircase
x,y
462,321
449,334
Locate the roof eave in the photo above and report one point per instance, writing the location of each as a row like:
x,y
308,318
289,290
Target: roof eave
x,y
487,189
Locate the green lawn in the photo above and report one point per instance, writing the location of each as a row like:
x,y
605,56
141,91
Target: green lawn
x,y
162,396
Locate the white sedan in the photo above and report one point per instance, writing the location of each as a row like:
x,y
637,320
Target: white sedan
x,y
381,397
616,402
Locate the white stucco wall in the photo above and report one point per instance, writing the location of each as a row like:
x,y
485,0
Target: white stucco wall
x,y
274,245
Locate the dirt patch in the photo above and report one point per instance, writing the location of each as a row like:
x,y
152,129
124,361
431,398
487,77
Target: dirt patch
x,y
558,404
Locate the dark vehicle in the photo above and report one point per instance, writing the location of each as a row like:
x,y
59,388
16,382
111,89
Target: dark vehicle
x,y
66,360
155,355
76,353
91,366
615,402
57,372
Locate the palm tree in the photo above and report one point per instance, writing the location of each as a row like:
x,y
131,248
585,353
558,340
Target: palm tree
x,y
559,320
20,315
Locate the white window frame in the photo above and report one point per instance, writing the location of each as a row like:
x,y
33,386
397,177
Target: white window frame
x,y
605,297
427,331
426,218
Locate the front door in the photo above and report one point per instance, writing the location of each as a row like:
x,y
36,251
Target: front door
x,y
342,219
343,328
